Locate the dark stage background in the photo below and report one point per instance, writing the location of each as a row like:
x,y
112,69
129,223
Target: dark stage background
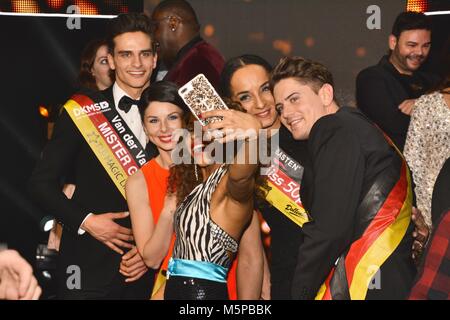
x,y
39,65
39,62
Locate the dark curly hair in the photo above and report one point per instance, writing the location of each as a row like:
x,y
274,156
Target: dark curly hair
x,y
182,176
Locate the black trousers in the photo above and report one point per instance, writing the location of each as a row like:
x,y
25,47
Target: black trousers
x,y
118,289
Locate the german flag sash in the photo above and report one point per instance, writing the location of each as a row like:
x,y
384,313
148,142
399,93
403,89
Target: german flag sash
x,y
284,179
383,219
109,137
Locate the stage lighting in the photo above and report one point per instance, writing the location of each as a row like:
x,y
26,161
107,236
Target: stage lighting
x,y
43,111
417,5
429,7
85,7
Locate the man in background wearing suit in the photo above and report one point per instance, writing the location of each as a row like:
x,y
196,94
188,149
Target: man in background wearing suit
x,y
96,223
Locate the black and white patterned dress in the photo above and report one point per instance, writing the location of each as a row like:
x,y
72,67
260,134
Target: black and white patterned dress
x,y
202,245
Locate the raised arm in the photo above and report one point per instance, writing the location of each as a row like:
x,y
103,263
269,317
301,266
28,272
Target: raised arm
x,y
243,128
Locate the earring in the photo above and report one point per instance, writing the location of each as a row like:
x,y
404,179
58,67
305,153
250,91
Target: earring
x,y
196,172
173,29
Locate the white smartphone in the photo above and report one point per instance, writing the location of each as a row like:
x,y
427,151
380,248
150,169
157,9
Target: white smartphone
x,y
200,96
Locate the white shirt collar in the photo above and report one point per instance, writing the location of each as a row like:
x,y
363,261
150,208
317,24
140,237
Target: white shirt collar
x,y
132,118
118,93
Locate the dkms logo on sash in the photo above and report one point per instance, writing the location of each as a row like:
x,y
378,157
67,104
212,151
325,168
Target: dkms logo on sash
x,y
91,109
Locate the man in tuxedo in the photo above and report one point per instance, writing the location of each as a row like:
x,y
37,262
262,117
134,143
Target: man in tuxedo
x,y
181,49
96,223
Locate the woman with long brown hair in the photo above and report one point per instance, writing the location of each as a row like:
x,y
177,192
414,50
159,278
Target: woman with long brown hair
x,y
95,73
245,80
214,207
163,113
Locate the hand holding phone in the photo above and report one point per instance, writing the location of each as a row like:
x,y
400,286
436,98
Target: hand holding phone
x,y
200,96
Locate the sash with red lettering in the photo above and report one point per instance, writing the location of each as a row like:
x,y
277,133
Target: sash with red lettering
x,y
109,137
284,179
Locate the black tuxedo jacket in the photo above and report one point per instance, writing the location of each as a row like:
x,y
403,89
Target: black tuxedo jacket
x,y
68,154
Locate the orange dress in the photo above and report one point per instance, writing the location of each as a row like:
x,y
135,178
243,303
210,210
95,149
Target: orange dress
x,y
156,178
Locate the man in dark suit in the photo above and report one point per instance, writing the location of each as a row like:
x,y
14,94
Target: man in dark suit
x,y
356,191
96,223
181,49
387,91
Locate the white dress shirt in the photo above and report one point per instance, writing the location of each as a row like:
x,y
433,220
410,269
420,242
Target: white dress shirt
x,y
133,120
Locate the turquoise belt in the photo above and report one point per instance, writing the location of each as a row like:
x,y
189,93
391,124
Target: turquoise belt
x,y
196,269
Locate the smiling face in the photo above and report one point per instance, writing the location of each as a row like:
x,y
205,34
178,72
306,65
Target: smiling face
x,y
250,87
161,119
300,107
133,61
410,50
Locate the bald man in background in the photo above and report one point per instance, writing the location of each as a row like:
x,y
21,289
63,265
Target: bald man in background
x,y
181,49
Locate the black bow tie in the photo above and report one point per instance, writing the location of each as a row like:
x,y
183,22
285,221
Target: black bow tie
x,y
126,102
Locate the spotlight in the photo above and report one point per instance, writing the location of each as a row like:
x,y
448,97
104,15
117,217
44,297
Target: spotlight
x,y
43,111
417,5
